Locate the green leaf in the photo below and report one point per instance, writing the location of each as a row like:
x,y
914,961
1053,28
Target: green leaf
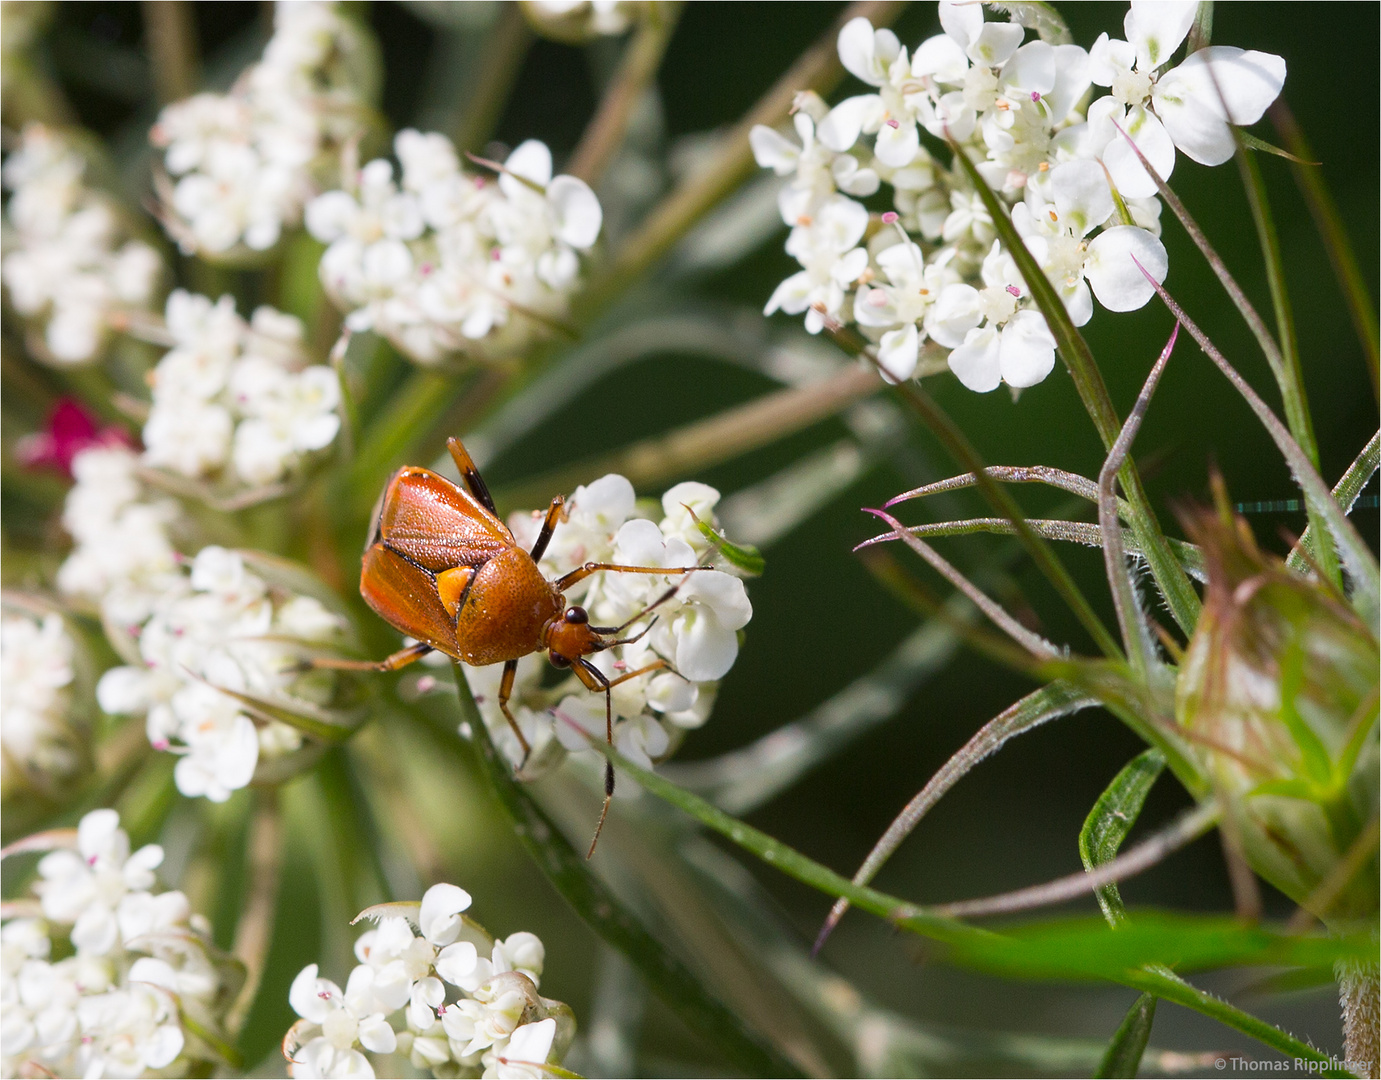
x,y
743,556
1253,143
329,727
1123,1055
570,874
1086,948
1112,818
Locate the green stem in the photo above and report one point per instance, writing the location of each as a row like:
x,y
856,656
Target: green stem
x,y
637,69
1335,240
571,876
1287,371
488,94
1172,581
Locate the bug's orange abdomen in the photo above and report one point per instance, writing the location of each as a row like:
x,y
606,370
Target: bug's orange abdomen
x,y
508,606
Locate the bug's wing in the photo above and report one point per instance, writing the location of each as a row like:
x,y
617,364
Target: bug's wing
x,y
436,525
406,596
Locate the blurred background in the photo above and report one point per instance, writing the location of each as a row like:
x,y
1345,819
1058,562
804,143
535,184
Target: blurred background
x,y
821,620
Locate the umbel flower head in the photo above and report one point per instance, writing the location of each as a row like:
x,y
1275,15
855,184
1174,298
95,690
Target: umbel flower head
x,y
433,986
931,273
1278,690
445,262
136,976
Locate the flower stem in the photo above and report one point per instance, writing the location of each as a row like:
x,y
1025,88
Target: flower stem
x,y
1287,371
171,33
818,69
508,43
638,68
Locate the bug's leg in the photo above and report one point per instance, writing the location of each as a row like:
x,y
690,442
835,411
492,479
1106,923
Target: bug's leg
x,y
595,681
402,658
581,573
620,629
656,665
510,671
470,473
554,514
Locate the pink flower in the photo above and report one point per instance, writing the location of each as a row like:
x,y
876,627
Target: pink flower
x,y
70,430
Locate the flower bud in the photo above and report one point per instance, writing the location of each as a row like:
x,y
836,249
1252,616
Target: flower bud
x,y
1278,691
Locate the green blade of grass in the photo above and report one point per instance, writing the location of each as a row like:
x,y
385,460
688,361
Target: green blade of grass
x,y
1112,818
1123,1056
1345,493
1288,375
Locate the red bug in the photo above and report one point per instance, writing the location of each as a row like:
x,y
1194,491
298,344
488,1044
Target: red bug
x,y
441,567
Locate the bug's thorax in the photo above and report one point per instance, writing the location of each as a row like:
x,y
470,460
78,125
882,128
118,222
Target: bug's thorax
x,y
569,636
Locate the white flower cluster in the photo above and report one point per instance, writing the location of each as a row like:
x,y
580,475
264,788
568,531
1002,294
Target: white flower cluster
x,y
133,964
123,559
221,626
247,162
690,646
69,264
447,261
932,268
36,672
446,995
237,394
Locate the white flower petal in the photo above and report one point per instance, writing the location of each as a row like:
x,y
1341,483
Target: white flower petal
x,y
439,918
1157,27
1214,87
897,146
1027,353
1151,138
842,125
897,353
577,211
1082,196
773,150
1114,276
975,363
377,1036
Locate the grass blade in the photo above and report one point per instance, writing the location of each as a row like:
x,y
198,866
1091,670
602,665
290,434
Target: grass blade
x,y
1112,818
1123,1056
1288,375
1345,493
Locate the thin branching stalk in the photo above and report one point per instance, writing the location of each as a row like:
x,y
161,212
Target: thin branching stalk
x,y
171,34
1007,474
1174,585
1335,240
1140,652
1048,703
1075,532
571,876
711,441
1356,556
1187,828
637,69
957,443
1033,643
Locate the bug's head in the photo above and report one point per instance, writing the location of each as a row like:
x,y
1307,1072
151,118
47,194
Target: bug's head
x,y
570,636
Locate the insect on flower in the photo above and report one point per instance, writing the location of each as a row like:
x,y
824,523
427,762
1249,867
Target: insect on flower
x,y
441,567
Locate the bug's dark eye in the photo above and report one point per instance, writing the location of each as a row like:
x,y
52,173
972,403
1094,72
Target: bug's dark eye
x,y
577,615
557,660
